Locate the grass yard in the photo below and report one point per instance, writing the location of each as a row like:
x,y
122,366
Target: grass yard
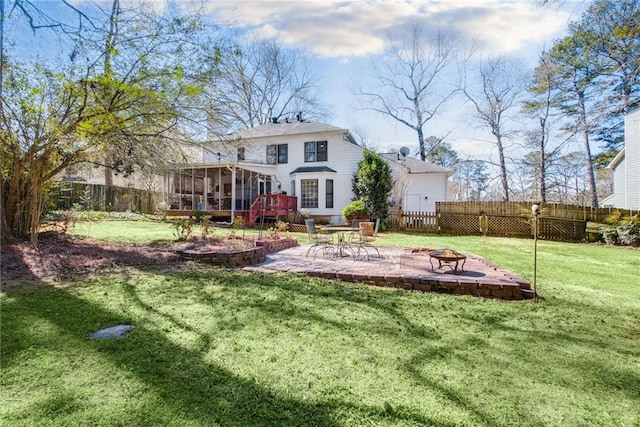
x,y
218,347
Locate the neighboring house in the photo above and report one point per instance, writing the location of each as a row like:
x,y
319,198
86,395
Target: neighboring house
x,y
306,163
626,167
88,174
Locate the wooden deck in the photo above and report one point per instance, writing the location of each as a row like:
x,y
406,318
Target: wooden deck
x,y
189,213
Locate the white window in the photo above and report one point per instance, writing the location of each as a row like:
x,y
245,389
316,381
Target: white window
x,y
309,193
315,151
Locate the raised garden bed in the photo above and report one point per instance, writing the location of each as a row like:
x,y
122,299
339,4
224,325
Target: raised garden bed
x,y
236,257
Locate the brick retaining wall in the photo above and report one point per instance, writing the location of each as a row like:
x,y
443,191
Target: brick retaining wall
x,y
241,257
454,285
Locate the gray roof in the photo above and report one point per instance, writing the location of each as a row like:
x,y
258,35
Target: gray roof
x,y
293,127
416,165
308,169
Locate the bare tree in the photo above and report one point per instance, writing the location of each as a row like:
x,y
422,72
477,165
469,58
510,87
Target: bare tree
x,y
543,108
36,19
411,86
495,89
568,182
259,81
472,179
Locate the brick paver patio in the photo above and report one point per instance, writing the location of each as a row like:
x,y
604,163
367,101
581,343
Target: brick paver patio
x,y
401,268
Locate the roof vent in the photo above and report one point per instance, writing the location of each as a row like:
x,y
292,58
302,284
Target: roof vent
x,y
274,120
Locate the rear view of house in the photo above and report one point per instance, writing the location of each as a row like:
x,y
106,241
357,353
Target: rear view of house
x,y
309,161
289,165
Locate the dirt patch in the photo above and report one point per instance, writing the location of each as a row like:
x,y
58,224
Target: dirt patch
x,y
60,259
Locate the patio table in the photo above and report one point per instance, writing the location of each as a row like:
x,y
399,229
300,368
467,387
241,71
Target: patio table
x,y
342,245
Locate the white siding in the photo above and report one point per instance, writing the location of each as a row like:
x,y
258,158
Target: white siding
x,y
342,157
631,164
424,190
421,190
619,185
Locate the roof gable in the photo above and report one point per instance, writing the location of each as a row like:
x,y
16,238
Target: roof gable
x,y
416,165
289,127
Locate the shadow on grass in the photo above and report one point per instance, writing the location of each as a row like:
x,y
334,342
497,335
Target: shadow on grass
x,y
198,390
205,393
190,387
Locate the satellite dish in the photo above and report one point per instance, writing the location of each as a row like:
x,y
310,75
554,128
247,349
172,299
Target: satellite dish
x,y
404,151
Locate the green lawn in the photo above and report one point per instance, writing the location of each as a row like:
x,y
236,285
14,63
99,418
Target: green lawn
x,y
221,347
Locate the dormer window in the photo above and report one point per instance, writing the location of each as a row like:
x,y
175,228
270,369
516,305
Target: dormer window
x,y
315,151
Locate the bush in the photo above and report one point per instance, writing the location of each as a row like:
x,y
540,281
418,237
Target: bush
x,y
625,232
613,218
162,208
628,234
282,226
609,234
355,210
296,217
199,215
182,229
238,222
205,227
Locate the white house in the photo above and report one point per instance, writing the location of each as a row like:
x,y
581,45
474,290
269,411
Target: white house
x,y
304,163
626,167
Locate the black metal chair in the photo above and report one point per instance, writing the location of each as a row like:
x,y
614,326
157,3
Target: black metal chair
x,y
323,242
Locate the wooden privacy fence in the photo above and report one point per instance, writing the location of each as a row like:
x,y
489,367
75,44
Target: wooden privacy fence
x,y
67,195
558,221
552,210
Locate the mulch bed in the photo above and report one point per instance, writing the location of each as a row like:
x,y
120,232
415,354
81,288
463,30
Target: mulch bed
x,y
58,259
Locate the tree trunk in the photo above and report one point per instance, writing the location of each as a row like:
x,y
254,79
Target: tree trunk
x,y
108,174
5,232
593,191
542,162
423,153
503,168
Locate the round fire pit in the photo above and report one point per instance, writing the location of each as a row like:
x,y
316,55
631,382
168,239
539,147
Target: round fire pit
x,y
447,258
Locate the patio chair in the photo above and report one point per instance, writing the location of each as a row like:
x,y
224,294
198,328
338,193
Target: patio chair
x,y
355,224
323,242
367,238
357,242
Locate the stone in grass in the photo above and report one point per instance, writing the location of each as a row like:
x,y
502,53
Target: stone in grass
x,y
112,333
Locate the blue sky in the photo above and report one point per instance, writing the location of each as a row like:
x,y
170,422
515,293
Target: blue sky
x,y
342,37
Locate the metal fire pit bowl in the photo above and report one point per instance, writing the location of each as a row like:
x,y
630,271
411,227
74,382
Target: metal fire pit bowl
x,y
447,258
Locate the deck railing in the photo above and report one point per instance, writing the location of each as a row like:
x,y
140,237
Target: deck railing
x,y
272,205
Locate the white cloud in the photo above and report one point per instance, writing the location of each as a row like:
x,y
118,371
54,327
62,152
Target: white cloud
x,y
508,28
334,28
